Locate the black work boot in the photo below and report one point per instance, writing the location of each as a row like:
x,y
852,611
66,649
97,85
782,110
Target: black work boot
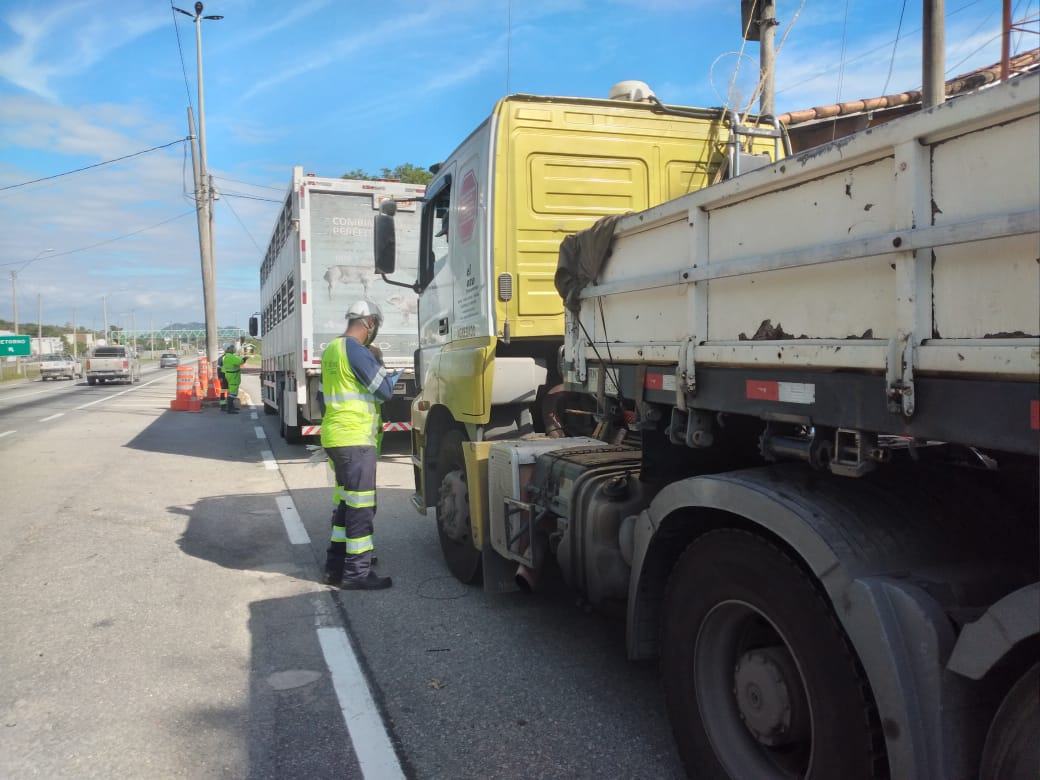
x,y
372,582
333,569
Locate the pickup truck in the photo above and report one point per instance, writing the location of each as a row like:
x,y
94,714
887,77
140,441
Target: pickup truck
x,y
114,362
60,366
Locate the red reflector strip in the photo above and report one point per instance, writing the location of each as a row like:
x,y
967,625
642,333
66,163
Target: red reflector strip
x,y
1034,415
305,356
310,430
392,426
784,392
303,245
654,382
303,298
762,391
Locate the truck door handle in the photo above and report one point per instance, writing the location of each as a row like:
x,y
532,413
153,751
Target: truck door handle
x,y
442,325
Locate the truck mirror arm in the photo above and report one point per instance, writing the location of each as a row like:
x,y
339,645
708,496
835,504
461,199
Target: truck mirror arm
x,y
414,286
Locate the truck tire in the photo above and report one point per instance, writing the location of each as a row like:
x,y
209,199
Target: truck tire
x,y
91,380
1010,749
759,678
453,528
291,433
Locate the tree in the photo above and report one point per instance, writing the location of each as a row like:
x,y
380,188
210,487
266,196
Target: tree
x,y
406,172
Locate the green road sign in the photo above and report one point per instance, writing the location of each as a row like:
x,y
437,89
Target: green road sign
x,y
12,346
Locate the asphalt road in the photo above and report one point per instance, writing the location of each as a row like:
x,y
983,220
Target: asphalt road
x,y
163,617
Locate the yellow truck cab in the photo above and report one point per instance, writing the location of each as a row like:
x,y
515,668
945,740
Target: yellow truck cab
x,y
489,316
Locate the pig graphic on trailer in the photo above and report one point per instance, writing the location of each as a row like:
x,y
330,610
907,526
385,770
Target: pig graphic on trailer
x,y
345,274
407,305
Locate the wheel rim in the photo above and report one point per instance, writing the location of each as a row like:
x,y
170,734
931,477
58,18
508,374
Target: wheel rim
x,y
751,694
453,507
453,518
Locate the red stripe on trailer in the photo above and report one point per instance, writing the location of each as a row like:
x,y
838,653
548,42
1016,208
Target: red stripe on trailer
x,y
654,382
1034,415
392,426
310,430
758,390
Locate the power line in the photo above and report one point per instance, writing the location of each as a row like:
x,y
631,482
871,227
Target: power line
x,y
227,194
95,165
242,225
180,51
895,45
107,240
250,184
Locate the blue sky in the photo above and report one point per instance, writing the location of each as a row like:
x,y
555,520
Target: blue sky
x,y
336,85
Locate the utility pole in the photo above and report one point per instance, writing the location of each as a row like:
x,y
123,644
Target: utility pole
x,y
204,194
104,314
933,58
766,56
14,298
758,23
39,323
14,284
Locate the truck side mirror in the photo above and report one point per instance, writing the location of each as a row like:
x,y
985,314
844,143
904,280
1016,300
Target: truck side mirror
x,y
384,238
254,327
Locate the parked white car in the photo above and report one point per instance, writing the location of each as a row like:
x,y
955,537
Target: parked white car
x,y
60,367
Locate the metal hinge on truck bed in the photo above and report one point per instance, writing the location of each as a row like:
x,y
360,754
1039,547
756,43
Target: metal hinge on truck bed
x,y
899,375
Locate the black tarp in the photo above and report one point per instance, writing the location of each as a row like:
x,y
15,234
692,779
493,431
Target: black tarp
x,y
582,255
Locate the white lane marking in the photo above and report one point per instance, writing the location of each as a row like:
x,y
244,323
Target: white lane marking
x,y
130,389
28,395
253,416
291,520
260,434
375,753
7,433
269,462
53,417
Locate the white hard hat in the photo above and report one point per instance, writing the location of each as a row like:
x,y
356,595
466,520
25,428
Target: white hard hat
x,y
362,309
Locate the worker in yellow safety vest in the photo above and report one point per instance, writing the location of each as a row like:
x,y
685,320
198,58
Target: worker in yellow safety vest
x,y
353,386
230,366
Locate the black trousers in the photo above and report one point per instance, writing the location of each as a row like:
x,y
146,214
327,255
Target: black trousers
x,y
350,547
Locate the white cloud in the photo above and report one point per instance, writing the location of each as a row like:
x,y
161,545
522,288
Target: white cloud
x,y
67,39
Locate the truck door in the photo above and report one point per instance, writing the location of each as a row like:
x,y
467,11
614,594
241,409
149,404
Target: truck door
x,y
435,277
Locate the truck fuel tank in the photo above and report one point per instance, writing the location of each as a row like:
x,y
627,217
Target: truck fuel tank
x,y
573,497
595,495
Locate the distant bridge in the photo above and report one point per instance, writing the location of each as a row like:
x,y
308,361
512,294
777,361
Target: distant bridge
x,y
182,334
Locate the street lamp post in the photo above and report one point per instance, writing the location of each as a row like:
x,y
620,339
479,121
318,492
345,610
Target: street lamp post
x,y
204,196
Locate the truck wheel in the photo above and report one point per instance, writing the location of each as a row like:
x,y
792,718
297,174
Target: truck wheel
x,y
1010,749
453,527
91,380
759,678
291,433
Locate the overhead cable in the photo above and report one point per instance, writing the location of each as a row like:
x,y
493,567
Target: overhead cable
x,y
95,165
